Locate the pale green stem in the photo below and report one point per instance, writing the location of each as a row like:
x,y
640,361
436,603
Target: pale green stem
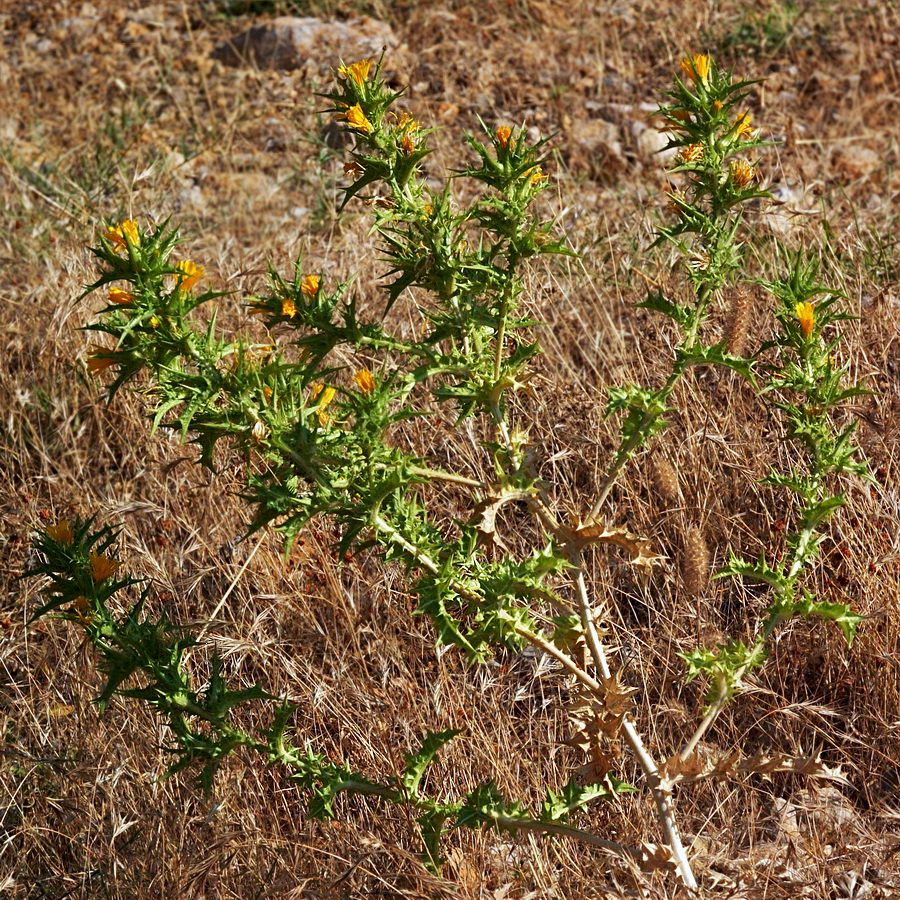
x,y
440,475
512,823
661,798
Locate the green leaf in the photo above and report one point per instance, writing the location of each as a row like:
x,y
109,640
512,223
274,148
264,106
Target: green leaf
x,y
417,763
656,300
573,797
484,806
716,354
758,571
847,620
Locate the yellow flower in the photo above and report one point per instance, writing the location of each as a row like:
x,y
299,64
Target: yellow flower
x,y
358,71
288,307
102,567
117,295
696,66
503,134
742,172
806,314
356,118
100,360
61,532
691,153
310,285
405,121
324,394
365,380
407,144
191,274
536,173
116,235
742,125
154,322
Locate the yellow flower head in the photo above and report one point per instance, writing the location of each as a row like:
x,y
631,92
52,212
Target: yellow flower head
x,y
189,275
102,567
117,295
696,67
806,314
537,174
324,394
406,122
407,144
288,307
691,153
117,233
742,172
365,380
61,532
356,118
742,125
310,285
503,134
100,360
358,71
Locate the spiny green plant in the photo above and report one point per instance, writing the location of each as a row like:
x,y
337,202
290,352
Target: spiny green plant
x,y
323,438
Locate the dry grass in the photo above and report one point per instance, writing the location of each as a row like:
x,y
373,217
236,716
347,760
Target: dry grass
x,y
129,116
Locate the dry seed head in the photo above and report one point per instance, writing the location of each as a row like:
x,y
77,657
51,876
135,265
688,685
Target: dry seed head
x,y
695,564
665,480
738,322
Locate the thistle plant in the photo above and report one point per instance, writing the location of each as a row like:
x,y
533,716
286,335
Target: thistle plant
x,y
712,132
321,428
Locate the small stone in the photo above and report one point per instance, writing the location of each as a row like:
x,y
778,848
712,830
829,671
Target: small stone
x,y
593,146
289,42
651,144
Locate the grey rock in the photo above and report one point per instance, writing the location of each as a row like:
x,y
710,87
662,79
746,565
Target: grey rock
x,y
290,42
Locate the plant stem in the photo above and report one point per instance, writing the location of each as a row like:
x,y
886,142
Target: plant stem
x,y
440,475
661,798
567,830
